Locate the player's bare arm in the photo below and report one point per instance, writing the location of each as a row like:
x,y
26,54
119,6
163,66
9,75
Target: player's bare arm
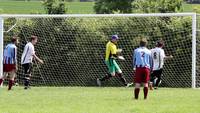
x,y
169,57
38,59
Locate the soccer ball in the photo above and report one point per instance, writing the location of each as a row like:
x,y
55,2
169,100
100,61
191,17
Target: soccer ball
x,y
16,84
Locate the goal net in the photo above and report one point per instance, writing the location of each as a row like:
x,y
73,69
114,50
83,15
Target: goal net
x,y
73,46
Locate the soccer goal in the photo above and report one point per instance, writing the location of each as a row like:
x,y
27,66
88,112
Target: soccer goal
x,y
73,46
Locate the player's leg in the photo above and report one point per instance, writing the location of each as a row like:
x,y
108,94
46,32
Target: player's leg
x,y
137,90
137,81
12,74
27,73
159,75
15,81
122,78
108,76
3,77
152,77
145,82
11,79
119,73
111,69
5,70
145,90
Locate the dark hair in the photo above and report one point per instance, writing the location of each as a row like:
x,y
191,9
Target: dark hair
x,y
33,37
143,42
159,43
14,39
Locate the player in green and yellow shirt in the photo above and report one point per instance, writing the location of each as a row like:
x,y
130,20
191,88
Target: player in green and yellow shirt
x,y
110,60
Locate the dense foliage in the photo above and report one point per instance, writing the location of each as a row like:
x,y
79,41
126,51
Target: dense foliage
x,y
55,6
137,6
157,6
113,6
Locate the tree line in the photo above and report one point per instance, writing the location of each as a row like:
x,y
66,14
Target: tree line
x,y
120,6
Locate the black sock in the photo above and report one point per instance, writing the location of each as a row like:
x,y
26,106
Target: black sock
x,y
106,77
145,92
157,81
123,81
122,78
136,92
26,82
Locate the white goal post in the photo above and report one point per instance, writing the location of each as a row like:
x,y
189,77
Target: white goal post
x,y
191,15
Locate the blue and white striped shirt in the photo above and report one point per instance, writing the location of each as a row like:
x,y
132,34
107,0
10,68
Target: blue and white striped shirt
x,y
142,58
10,54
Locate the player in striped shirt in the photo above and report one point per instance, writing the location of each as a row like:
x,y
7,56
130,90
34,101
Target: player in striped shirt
x,y
142,62
10,62
158,56
27,59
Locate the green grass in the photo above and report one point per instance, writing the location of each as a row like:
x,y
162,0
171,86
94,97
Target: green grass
x,y
80,7
21,7
97,100
190,7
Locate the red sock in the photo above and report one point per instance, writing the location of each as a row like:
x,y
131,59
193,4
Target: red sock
x,y
1,80
137,91
145,92
10,84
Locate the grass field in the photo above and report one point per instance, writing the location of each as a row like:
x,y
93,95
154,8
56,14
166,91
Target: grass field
x,y
21,7
190,7
97,100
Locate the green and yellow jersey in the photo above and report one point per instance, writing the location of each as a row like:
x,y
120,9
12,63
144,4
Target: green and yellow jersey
x,y
111,49
111,54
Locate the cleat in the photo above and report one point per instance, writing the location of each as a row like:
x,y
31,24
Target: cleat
x,y
155,88
129,84
26,88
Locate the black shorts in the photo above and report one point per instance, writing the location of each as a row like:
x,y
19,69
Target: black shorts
x,y
156,73
27,68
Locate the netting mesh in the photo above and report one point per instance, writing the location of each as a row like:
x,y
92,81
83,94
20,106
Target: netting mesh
x,y
73,48
198,52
